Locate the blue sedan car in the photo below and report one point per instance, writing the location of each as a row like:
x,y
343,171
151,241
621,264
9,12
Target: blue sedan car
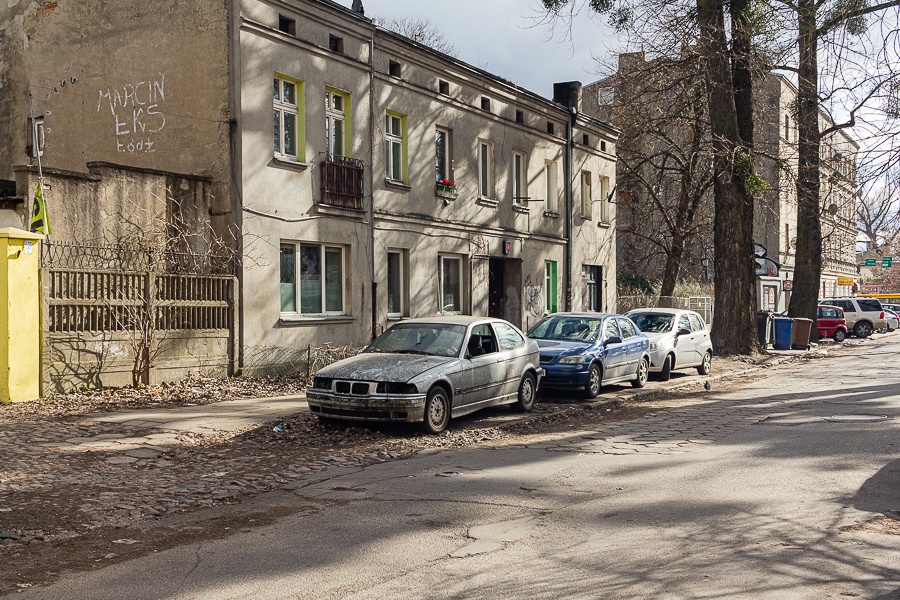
x,y
585,351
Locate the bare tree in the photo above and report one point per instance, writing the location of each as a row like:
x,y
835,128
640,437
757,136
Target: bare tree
x,y
419,30
878,212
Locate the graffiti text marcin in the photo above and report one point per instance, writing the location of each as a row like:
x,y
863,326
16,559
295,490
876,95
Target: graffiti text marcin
x,y
135,108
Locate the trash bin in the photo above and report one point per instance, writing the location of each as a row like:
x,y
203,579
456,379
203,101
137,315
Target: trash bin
x,y
784,327
764,327
801,332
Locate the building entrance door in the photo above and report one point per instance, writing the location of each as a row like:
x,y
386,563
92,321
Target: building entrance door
x,y
505,290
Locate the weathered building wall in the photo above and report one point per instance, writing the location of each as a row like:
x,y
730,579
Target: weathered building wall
x,y
143,85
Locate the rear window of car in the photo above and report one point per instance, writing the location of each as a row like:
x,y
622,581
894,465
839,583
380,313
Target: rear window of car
x,y
827,313
869,304
509,337
845,304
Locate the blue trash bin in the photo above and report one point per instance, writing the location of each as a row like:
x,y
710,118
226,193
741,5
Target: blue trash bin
x,y
784,330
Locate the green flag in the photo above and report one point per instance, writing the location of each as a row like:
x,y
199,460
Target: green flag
x,y
39,221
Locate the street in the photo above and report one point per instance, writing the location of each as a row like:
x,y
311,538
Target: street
x,y
786,487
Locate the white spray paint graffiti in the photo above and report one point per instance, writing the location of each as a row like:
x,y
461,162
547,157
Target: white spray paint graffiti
x,y
135,110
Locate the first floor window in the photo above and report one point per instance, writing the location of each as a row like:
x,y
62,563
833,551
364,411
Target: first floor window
x,y
285,102
485,160
394,140
312,279
451,284
604,199
520,185
592,276
442,155
585,194
550,179
550,287
396,284
337,104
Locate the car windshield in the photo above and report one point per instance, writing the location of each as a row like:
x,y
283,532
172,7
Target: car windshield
x,y
436,339
577,329
653,322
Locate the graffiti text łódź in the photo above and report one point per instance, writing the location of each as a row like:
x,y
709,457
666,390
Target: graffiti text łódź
x,y
135,110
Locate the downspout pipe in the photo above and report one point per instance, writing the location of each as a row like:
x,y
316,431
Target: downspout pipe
x,y
570,199
374,298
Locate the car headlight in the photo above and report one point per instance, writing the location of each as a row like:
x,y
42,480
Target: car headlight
x,y
653,346
575,359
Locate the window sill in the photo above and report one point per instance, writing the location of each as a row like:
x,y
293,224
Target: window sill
x,y
519,208
396,317
397,185
604,224
487,202
328,209
312,320
286,163
551,214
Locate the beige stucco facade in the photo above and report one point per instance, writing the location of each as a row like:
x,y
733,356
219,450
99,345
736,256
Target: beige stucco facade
x,y
188,101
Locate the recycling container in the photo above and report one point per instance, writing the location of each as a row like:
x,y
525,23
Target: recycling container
x,y
784,328
801,333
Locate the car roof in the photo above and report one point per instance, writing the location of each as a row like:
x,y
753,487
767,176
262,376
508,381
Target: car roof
x,y
584,315
663,311
453,320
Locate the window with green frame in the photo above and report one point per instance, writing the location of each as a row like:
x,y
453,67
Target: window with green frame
x,y
550,287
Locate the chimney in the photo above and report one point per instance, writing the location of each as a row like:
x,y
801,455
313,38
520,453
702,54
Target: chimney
x,y
358,7
568,93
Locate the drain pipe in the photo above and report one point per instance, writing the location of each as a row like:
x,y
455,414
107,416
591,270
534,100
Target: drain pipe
x,y
372,181
570,199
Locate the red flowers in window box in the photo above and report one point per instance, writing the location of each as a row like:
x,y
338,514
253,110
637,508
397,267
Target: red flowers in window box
x,y
447,184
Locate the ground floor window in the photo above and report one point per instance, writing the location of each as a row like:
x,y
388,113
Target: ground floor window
x,y
592,276
396,284
312,279
550,287
451,284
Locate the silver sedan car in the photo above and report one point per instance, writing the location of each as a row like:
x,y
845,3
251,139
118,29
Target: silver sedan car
x,y
679,339
430,370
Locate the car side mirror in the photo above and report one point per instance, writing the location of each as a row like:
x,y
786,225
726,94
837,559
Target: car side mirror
x,y
613,340
683,332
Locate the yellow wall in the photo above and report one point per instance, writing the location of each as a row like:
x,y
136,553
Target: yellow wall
x,y
20,316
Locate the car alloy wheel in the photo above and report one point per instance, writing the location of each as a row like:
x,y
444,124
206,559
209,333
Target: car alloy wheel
x,y
526,394
839,335
862,329
642,373
437,410
706,366
594,382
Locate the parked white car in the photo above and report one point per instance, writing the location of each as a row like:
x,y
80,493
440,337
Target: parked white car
x,y
679,339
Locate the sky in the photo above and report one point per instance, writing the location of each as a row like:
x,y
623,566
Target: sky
x,y
505,38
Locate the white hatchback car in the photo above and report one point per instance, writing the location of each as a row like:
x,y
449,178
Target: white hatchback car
x,y
679,339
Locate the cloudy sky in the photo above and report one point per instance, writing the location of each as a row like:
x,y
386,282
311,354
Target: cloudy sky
x,y
506,38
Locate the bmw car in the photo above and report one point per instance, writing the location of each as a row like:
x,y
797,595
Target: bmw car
x,y
429,371
585,351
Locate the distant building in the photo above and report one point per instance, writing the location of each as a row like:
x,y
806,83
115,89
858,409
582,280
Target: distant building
x,y
775,227
365,177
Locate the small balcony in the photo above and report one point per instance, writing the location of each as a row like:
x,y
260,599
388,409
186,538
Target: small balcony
x,y
342,181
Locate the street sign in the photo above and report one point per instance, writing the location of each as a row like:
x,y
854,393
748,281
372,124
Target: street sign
x,y
871,262
845,281
887,262
787,285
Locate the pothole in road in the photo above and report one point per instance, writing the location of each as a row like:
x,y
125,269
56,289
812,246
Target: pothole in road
x,y
855,418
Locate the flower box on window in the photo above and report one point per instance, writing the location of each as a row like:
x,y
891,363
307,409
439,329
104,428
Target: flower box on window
x,y
445,189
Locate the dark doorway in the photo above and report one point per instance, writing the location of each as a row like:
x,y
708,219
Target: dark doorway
x,y
504,290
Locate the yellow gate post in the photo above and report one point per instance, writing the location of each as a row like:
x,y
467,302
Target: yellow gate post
x,y
20,315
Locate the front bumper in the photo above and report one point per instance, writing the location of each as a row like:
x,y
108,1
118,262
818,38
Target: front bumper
x,y
565,376
401,408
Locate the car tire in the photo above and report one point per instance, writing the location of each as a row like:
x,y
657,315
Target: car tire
x,y
527,394
706,366
643,372
863,329
839,335
666,372
594,381
437,410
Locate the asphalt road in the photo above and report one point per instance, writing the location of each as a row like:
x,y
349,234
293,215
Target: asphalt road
x,y
788,487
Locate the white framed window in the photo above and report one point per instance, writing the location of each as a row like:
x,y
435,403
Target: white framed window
x,y
485,169
550,186
395,146
586,194
337,105
396,283
604,199
592,295
312,279
519,178
451,284
286,109
443,162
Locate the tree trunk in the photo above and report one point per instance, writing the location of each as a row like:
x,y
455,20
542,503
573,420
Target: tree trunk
x,y
734,323
808,268
673,263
